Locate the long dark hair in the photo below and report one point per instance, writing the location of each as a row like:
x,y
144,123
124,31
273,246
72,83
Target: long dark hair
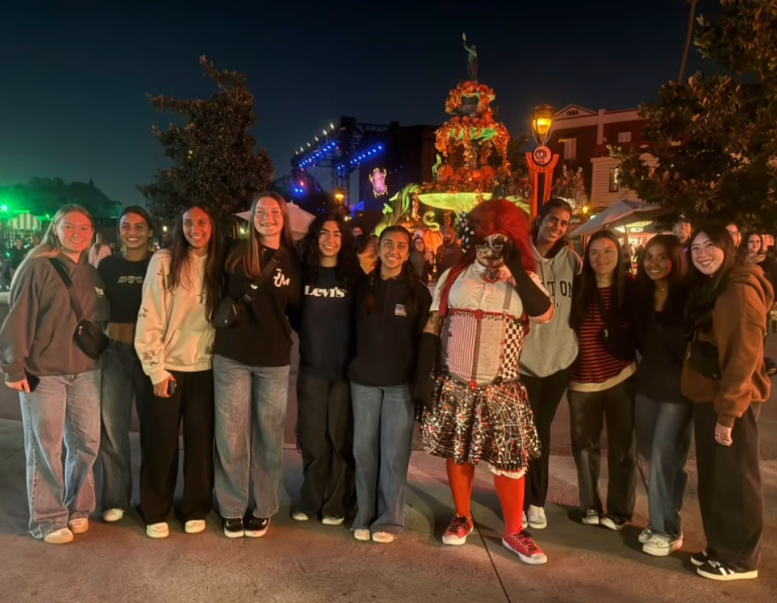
x,y
706,289
676,279
545,210
179,256
348,268
585,290
408,272
745,245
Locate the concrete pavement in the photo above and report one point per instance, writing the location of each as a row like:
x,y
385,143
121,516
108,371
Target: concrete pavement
x,y
315,563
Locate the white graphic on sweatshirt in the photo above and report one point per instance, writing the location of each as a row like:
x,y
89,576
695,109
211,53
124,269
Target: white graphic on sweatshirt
x,y
280,279
319,292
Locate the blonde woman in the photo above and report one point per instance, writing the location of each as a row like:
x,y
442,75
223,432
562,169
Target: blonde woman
x,y
57,381
251,369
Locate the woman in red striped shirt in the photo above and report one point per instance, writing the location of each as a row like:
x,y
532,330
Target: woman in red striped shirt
x,y
601,384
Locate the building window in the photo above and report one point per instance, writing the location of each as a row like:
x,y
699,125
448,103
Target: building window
x,y
570,148
614,184
572,112
624,136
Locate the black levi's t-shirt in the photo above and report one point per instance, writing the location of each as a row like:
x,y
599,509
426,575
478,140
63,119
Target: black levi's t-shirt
x,y
123,286
261,335
325,334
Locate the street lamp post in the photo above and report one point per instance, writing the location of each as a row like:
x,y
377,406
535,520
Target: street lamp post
x,y
541,160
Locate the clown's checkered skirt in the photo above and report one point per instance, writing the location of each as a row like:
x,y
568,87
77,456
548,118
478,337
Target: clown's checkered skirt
x,y
473,421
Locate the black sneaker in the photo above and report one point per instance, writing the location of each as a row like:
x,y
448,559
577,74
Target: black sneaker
x,y
233,528
715,570
613,522
699,559
256,527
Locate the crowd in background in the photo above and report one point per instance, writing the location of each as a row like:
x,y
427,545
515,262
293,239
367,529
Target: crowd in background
x,y
199,335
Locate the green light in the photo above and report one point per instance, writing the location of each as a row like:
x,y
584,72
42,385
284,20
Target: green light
x,y
4,208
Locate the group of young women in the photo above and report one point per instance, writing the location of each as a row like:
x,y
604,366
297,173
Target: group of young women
x,y
678,350
200,335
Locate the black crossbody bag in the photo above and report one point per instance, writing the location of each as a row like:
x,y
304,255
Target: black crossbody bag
x,y
617,336
89,337
703,358
228,309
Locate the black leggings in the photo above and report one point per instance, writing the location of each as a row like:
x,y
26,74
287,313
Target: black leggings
x,y
545,394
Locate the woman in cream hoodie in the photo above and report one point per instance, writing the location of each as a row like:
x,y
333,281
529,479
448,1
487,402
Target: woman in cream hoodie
x,y
174,340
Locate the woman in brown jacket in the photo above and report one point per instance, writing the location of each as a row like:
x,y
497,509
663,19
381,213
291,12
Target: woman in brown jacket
x,y
725,375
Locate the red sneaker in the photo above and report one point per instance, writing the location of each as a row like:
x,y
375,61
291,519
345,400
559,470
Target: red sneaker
x,y
457,532
522,545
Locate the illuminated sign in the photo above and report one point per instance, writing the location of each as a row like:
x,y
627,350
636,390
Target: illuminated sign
x,y
378,180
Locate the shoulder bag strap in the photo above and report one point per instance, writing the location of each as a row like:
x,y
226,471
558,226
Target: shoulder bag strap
x,y
74,304
267,272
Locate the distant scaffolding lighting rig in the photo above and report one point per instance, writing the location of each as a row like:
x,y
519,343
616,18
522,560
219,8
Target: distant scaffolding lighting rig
x,y
341,150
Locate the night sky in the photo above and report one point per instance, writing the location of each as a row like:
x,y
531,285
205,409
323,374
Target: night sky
x,y
73,75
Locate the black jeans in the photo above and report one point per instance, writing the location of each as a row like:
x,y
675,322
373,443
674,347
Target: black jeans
x,y
160,422
730,495
588,411
545,394
325,438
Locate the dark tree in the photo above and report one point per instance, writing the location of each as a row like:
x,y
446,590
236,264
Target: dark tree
x,y
212,152
713,140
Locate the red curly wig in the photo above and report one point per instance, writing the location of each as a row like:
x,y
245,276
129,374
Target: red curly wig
x,y
496,216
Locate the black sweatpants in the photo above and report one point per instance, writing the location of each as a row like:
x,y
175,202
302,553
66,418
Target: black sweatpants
x,y
160,423
325,438
587,413
545,394
730,495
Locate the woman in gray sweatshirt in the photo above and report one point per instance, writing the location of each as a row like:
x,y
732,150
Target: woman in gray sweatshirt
x,y
550,348
58,384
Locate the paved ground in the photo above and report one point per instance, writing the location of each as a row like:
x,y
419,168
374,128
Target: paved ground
x,y
315,563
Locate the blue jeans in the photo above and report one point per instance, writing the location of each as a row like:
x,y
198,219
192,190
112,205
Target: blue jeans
x,y
63,408
382,441
663,432
122,380
250,423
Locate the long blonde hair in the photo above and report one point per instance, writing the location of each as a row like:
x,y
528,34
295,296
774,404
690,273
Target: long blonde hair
x,y
50,247
248,253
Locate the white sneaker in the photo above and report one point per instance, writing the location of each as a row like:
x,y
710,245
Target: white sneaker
x,y
383,537
79,525
524,521
62,536
661,546
362,534
194,526
537,519
299,516
112,515
645,536
158,530
332,521
591,517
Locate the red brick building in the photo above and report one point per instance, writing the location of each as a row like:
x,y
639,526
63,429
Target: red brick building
x,y
581,136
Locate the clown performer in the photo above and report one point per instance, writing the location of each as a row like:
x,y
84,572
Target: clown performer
x,y
474,406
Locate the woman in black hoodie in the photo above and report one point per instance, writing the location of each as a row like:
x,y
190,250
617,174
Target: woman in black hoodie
x,y
392,307
663,415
